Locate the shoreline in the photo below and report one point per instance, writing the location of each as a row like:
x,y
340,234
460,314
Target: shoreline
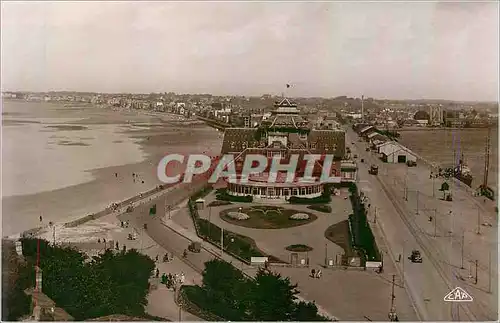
x,y
155,136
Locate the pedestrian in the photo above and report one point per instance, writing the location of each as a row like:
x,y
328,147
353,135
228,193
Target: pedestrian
x,y
318,275
117,246
183,278
156,258
116,174
99,240
313,272
157,272
122,224
184,254
40,218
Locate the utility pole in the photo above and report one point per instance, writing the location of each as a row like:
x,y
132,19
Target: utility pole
x,y
463,242
403,265
475,280
392,312
375,217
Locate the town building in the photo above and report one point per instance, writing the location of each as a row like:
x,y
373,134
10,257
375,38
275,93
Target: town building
x,y
393,152
284,134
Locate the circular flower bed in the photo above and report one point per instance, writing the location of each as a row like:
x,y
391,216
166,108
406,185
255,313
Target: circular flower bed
x,y
267,217
238,216
299,216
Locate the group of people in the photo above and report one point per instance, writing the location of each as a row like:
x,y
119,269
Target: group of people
x,y
316,273
171,280
134,177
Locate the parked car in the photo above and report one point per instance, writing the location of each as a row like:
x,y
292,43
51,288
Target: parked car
x,y
415,257
373,170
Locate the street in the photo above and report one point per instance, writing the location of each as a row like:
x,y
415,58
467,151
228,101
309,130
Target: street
x,y
442,241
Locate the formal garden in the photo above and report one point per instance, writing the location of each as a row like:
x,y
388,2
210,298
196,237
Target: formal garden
x,y
237,245
228,295
115,282
266,217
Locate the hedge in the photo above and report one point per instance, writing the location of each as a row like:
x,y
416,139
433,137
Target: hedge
x,y
222,195
362,235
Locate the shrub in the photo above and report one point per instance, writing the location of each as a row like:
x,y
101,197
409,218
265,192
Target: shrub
x,y
223,195
299,248
219,203
320,208
323,199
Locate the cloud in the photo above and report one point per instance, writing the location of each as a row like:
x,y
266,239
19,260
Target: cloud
x,y
329,49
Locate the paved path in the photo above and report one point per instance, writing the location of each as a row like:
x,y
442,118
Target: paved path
x,y
405,230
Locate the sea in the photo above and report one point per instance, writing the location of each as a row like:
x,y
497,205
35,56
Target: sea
x,y
447,146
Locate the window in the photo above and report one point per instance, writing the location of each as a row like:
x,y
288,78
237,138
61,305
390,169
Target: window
x,y
309,190
302,191
294,192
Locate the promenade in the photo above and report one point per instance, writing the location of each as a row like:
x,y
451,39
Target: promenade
x,y
449,242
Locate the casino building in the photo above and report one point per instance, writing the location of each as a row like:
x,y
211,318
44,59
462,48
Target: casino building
x,y
282,135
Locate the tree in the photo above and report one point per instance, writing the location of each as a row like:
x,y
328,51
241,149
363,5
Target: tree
x,y
273,297
307,311
226,287
111,283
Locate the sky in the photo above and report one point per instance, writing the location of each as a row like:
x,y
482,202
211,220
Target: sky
x,y
404,50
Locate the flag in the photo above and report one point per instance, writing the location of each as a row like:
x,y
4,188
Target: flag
x,y
152,210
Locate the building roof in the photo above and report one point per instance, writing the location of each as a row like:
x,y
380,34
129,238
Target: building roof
x,y
327,141
365,129
398,147
237,139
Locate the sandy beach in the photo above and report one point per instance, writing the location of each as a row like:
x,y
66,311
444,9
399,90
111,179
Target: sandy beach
x,y
100,143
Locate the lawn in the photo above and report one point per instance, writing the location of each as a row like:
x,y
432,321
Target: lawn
x,y
339,234
267,217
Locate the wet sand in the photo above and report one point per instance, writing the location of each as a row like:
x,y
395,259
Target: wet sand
x,y
156,137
